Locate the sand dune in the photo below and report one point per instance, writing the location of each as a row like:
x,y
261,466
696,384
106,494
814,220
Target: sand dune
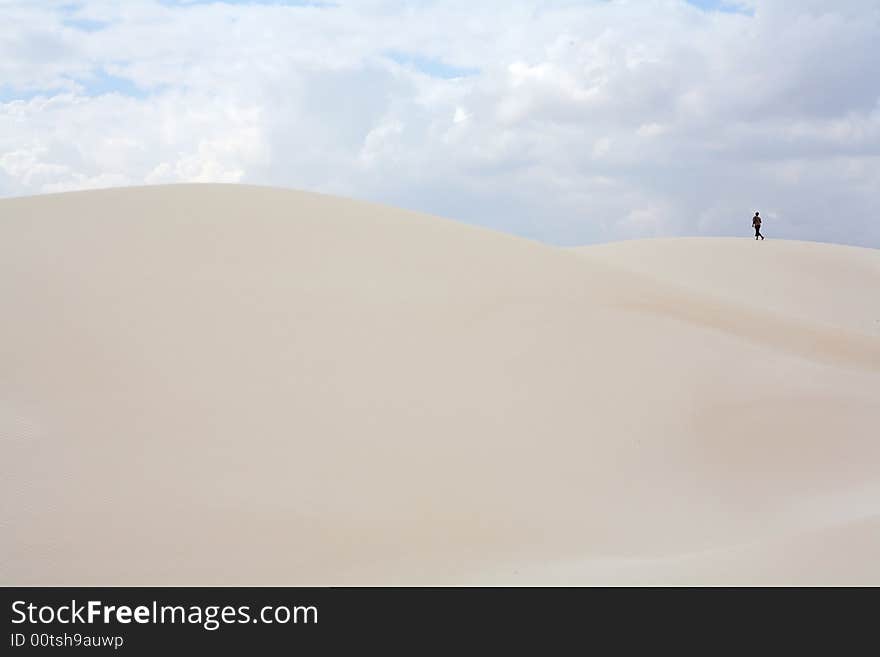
x,y
237,385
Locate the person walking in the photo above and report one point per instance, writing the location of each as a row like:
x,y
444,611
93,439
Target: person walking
x,y
756,224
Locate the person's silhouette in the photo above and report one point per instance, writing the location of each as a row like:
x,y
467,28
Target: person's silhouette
x,y
756,224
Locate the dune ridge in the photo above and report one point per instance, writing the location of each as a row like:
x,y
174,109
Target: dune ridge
x,y
217,384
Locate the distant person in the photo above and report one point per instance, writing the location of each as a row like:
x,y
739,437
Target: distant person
x,y
756,224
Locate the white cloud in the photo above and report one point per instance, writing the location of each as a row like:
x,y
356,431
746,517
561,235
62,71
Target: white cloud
x,y
571,122
651,130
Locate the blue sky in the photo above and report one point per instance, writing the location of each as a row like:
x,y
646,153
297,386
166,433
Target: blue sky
x,y
719,5
432,66
569,122
100,82
288,3
85,24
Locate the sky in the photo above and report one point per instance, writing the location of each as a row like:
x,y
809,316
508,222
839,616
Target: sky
x,y
571,122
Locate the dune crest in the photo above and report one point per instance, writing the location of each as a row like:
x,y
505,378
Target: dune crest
x,y
213,384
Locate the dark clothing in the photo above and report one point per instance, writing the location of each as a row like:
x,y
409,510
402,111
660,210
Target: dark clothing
x,y
756,223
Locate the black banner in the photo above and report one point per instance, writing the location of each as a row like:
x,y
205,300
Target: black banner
x,y
326,620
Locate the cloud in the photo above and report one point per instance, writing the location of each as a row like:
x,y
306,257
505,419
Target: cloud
x,y
570,122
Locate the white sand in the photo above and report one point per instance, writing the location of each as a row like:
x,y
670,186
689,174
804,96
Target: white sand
x,y
239,385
